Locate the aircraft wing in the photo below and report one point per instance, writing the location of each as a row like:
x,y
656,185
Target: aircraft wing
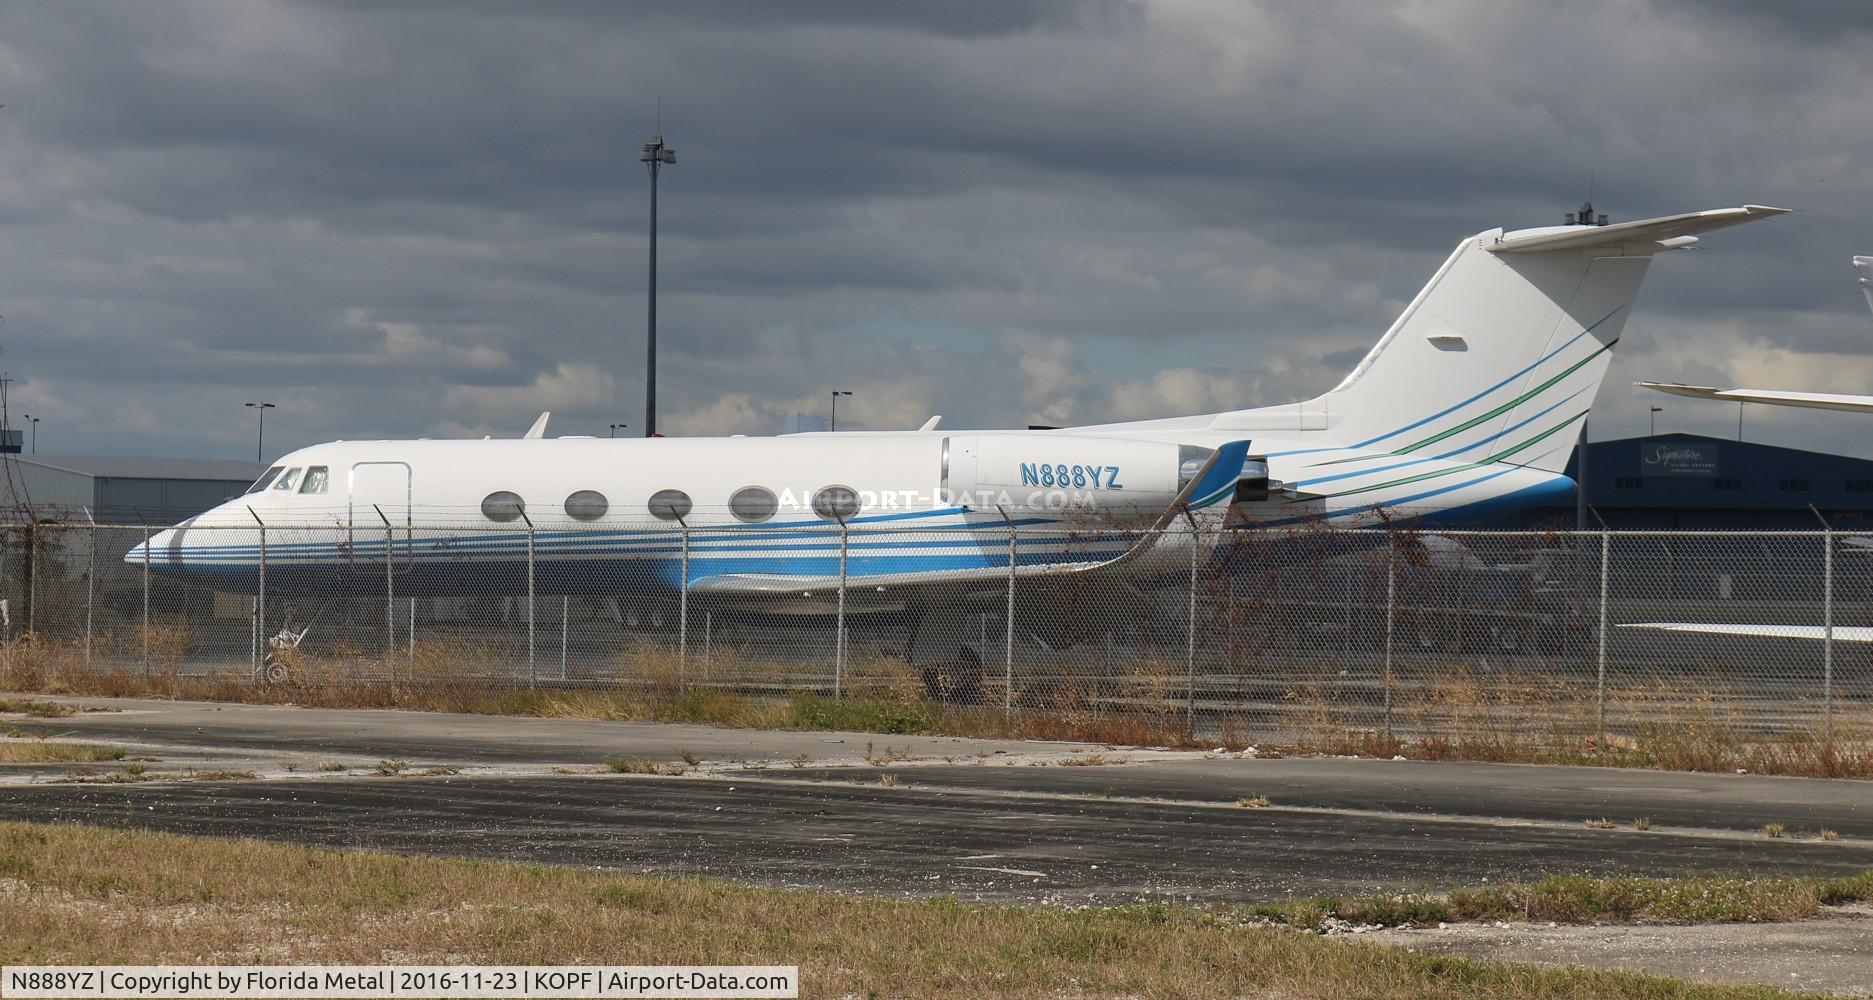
x,y
1670,232
1216,478
1770,397
1842,633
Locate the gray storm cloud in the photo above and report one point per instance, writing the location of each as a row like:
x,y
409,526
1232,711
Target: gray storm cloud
x,y
417,219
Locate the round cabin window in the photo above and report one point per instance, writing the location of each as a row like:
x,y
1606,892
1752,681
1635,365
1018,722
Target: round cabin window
x,y
753,503
503,506
587,505
669,505
836,503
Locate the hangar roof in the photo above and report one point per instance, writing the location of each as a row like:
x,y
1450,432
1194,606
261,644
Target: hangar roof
x,y
144,467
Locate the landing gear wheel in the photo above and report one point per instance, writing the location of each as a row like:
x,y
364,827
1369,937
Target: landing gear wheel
x,y
966,688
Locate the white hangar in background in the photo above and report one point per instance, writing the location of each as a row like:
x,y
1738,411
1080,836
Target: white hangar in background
x,y
118,490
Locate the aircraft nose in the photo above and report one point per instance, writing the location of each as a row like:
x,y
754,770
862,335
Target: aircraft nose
x,y
156,551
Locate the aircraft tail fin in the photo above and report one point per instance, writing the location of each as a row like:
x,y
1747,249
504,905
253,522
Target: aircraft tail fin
x,y
1499,357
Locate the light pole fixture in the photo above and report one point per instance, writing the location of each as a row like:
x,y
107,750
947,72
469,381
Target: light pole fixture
x,y
1656,410
655,157
836,393
35,421
615,428
260,442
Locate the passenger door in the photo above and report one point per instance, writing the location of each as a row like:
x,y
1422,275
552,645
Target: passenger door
x,y
380,502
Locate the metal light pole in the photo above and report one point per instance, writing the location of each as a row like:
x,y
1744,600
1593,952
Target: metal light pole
x,y
1580,487
35,423
260,442
616,427
1656,410
836,393
654,157
1739,420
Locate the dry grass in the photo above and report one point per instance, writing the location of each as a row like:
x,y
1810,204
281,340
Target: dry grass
x,y
81,896
1470,716
1518,720
1581,900
37,709
129,773
48,752
134,773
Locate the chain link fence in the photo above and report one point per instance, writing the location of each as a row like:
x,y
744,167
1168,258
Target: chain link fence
x,y
1253,636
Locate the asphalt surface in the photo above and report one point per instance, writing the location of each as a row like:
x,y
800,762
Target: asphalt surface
x,y
1003,821
916,816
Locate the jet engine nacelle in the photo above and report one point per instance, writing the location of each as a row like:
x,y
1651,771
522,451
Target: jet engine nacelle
x,y
1067,475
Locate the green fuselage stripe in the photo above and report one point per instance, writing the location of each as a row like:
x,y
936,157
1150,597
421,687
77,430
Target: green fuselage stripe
x,y
1466,466
1510,405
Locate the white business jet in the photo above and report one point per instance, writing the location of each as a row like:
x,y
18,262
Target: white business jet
x,y
1469,404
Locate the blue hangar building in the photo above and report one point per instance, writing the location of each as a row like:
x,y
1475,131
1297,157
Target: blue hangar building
x,y
1689,482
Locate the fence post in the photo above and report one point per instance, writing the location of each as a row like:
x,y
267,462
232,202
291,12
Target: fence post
x,y
91,583
409,635
1827,627
838,662
1599,696
565,619
260,599
390,599
530,595
1190,637
1008,635
682,615
146,602
1391,618
32,576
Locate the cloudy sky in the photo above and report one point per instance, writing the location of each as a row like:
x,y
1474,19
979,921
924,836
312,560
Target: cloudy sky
x,y
428,219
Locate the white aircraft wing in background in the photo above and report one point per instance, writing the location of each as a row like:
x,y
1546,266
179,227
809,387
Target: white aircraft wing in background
x,y
1772,397
1855,545
1842,633
1782,397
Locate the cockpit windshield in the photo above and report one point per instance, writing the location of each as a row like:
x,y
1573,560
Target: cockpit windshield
x,y
266,479
288,481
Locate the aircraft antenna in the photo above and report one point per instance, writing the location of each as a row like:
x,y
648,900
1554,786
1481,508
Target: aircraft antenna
x,y
1584,215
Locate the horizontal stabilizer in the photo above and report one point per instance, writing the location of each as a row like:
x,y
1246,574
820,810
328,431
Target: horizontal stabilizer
x,y
1842,633
1666,229
1768,397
